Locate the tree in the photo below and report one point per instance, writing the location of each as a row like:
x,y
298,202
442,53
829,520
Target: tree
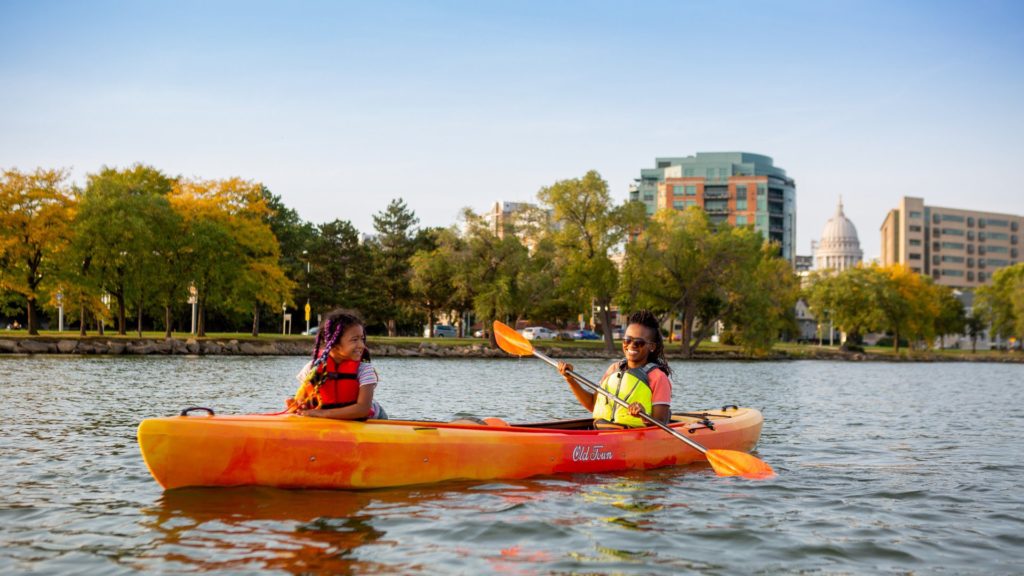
x,y
35,212
295,239
975,327
680,265
231,253
1001,302
341,268
952,317
432,279
845,299
392,249
590,229
760,304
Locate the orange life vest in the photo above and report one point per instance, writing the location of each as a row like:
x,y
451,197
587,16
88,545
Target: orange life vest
x,y
339,383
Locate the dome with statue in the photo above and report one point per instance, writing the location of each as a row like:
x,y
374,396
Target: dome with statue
x,y
839,247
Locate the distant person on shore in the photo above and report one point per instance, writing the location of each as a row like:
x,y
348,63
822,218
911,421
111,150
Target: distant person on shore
x,y
642,379
340,380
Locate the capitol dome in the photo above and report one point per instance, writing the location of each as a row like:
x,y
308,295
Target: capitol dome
x,y
839,248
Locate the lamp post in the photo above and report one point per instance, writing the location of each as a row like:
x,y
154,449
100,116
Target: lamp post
x,y
193,299
60,311
284,317
305,254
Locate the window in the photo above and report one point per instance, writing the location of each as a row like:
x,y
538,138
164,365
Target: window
x,y
998,236
1014,226
1013,252
936,232
952,218
761,189
915,215
688,172
999,223
915,242
970,276
970,262
741,204
981,262
970,234
741,219
981,276
953,231
981,250
981,236
970,221
936,245
1013,239
915,270
741,191
690,190
999,249
953,259
970,248
677,190
981,222
915,256
915,228
998,262
958,273
677,205
936,218
953,245
936,260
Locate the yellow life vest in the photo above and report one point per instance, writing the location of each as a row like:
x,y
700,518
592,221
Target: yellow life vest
x,y
631,385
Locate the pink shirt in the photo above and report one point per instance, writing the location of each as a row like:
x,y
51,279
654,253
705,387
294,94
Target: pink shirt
x,y
661,384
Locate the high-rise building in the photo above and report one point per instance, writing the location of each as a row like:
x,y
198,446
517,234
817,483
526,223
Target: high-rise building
x,y
739,188
956,247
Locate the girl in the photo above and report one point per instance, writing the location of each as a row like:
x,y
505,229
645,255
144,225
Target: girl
x,y
339,382
641,379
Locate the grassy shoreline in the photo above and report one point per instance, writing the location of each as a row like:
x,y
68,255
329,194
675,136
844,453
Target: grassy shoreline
x,y
476,347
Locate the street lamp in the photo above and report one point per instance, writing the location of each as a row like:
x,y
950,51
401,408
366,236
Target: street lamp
x,y
305,254
60,311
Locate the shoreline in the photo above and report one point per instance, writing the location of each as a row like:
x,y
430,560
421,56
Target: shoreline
x,y
117,346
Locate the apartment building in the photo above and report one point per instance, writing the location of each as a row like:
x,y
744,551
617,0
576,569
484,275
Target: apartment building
x,y
739,188
956,247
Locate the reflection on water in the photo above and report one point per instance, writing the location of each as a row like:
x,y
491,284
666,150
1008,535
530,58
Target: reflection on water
x,y
882,468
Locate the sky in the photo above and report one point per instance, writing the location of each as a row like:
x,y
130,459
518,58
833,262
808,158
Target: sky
x,y
340,107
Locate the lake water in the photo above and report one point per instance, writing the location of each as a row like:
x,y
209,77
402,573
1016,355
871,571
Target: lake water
x,y
882,468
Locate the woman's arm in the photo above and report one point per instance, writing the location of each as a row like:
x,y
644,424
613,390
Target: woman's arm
x,y
584,397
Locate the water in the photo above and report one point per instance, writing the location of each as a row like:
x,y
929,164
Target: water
x,y
883,468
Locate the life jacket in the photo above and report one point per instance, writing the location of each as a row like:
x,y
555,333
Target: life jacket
x,y
331,385
631,385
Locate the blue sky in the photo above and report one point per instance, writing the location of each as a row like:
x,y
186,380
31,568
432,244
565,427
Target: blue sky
x,y
339,107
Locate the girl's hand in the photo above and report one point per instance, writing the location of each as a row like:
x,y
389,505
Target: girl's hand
x,y
311,412
636,409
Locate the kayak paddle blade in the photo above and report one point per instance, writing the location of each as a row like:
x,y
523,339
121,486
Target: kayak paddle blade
x,y
510,341
736,463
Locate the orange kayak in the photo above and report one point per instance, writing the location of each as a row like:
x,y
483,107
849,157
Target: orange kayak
x,y
288,451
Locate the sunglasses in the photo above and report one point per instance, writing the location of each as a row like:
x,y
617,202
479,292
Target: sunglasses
x,y
630,342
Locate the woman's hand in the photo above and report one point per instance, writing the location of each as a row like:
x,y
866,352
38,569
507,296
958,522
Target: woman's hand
x,y
564,368
636,409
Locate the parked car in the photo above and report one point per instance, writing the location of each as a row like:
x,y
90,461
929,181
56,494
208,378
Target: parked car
x,y
585,335
312,331
538,333
481,333
445,331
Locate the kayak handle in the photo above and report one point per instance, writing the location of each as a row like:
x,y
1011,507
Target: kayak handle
x,y
187,410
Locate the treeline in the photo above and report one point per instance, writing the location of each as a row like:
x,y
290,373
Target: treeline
x,y
911,307
134,244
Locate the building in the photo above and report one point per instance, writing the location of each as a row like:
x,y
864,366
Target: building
x,y
956,247
734,187
839,248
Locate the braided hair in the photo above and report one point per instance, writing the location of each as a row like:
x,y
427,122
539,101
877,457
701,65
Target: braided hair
x,y
331,330
648,319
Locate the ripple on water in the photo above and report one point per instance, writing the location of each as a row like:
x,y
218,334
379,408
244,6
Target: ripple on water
x,y
877,473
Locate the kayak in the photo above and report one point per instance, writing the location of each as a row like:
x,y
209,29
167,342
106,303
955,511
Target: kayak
x,y
289,451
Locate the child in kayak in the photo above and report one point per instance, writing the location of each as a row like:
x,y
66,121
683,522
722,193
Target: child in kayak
x,y
339,382
642,379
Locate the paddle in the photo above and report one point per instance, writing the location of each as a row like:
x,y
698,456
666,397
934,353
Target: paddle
x,y
724,462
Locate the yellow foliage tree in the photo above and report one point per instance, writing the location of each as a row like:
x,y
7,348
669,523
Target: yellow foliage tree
x,y
35,212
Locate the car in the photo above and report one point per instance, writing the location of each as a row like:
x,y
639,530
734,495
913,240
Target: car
x,y
480,333
445,331
538,333
312,331
585,335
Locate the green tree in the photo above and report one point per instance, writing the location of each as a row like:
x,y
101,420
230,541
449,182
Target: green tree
x,y
952,317
341,268
392,248
432,279
845,299
760,304
35,211
1001,302
590,228
295,239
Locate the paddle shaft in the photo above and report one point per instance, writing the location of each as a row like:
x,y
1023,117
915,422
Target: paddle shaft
x,y
622,403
